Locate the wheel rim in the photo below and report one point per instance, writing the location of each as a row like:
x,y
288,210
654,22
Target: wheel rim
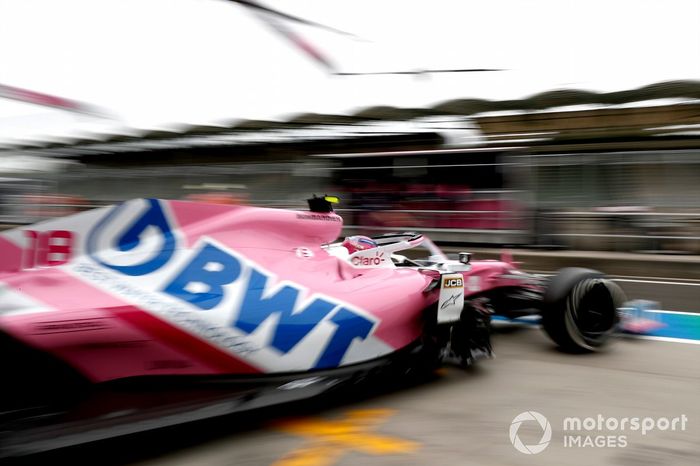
x,y
591,312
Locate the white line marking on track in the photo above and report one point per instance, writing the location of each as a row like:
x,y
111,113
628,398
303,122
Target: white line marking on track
x,y
528,319
655,282
634,279
662,311
619,335
663,279
664,339
536,325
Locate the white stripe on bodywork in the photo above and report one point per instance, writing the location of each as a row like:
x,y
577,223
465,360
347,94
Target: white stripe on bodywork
x,y
13,302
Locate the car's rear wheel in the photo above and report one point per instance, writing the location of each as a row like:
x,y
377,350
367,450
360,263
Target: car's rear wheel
x,y
580,311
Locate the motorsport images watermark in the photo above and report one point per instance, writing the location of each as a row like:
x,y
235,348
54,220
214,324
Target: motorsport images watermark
x,y
591,432
546,432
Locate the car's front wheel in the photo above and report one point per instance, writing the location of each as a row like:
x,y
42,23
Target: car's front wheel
x,y
580,309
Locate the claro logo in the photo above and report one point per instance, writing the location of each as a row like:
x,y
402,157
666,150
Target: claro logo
x,y
453,283
377,259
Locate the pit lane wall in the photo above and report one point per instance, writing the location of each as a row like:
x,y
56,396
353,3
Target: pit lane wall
x,y
606,201
686,267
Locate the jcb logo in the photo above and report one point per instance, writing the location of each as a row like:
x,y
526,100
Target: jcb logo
x,y
453,283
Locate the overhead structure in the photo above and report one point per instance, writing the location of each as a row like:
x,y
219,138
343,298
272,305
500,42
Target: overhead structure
x,y
660,110
502,119
658,116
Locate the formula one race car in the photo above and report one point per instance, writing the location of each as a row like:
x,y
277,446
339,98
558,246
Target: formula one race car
x,y
153,313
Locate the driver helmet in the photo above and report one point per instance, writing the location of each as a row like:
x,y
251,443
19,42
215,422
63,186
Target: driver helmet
x,y
359,243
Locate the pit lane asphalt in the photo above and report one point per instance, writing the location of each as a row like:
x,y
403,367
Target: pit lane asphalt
x,y
463,417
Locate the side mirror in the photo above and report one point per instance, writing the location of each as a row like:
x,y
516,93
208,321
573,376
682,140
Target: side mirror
x,y
465,257
322,204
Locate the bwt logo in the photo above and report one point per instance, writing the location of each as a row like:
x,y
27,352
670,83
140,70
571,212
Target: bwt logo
x,y
453,283
202,281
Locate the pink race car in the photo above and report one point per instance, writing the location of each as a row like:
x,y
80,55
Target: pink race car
x,y
152,313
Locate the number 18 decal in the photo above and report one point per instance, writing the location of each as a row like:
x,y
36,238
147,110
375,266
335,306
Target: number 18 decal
x,y
47,248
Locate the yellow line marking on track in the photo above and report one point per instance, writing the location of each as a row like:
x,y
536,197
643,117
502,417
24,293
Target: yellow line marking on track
x,y
330,439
